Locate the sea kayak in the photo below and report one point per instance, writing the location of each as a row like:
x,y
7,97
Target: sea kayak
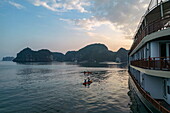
x,y
87,82
87,72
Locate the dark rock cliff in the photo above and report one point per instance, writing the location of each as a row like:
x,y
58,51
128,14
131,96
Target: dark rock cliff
x,y
28,55
90,53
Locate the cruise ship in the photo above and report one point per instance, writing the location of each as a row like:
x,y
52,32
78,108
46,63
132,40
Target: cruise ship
x,y
149,58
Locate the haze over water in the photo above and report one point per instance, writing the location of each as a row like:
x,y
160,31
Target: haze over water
x,y
57,88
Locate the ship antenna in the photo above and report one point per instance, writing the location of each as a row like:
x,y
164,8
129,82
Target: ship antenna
x,y
150,5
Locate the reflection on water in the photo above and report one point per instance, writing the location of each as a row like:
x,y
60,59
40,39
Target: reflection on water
x,y
28,71
58,88
136,105
86,64
35,63
98,76
104,64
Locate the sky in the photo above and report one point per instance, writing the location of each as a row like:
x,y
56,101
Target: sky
x,y
66,25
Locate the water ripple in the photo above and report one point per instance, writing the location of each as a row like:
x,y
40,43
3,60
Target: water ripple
x,y
57,88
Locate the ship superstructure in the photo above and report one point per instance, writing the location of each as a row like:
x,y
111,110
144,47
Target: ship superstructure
x,y
149,57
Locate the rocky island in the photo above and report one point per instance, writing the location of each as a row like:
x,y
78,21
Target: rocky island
x,y
7,58
90,53
28,55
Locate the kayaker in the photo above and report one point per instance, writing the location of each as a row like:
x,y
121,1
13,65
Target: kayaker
x,y
88,78
84,72
85,80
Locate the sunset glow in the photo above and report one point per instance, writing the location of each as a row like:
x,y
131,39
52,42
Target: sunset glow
x,y
63,25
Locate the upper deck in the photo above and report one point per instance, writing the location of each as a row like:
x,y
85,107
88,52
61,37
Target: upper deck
x,y
155,19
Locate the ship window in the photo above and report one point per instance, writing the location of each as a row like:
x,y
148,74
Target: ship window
x,y
168,89
163,50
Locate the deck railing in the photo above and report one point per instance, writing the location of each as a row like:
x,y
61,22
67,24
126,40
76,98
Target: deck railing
x,y
154,26
155,63
155,103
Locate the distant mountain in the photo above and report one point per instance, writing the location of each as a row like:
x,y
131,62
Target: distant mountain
x,y
71,56
28,55
90,53
7,58
58,56
122,55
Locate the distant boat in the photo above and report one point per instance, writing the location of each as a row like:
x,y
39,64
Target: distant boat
x,y
149,58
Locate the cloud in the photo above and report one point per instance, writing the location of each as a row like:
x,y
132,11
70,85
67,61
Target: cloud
x,y
121,15
18,6
62,5
91,24
118,14
88,23
67,20
97,35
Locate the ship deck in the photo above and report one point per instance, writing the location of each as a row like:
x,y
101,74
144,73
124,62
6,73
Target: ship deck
x,y
161,105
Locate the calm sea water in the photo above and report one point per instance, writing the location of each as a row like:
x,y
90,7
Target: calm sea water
x,y
57,88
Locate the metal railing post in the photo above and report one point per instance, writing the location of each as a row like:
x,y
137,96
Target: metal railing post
x,y
149,62
161,62
154,63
